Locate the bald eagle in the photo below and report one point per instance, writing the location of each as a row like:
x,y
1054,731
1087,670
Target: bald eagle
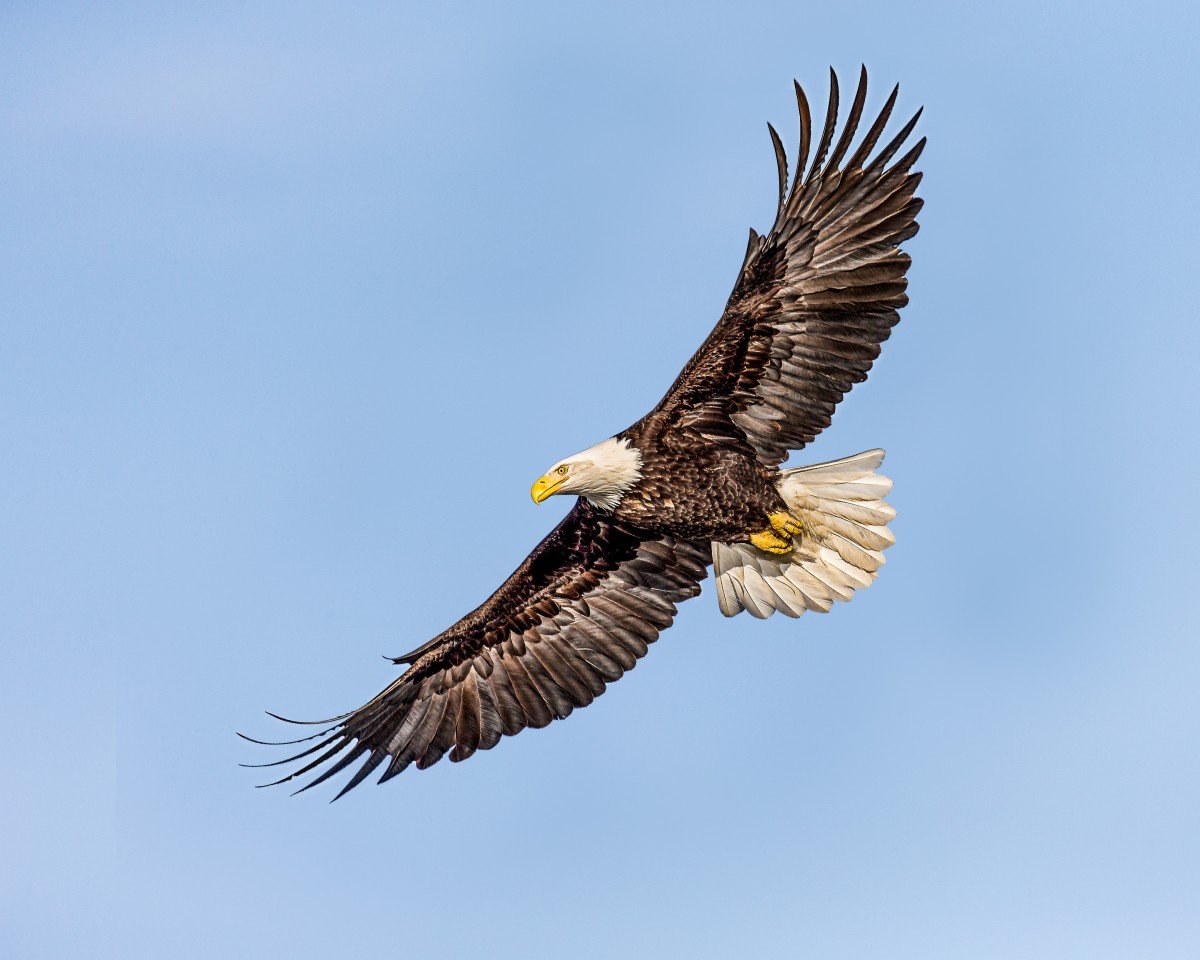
x,y
695,481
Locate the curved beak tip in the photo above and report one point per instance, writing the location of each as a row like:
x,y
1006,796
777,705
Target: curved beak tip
x,y
544,487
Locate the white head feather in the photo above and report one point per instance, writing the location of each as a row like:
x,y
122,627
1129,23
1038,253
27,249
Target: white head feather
x,y
601,474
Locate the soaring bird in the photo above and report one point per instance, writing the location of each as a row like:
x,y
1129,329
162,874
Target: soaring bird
x,y
696,480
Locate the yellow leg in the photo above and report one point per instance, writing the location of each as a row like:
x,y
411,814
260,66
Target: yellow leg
x,y
785,524
768,541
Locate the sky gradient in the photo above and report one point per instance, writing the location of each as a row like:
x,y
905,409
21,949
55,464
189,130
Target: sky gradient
x,y
297,300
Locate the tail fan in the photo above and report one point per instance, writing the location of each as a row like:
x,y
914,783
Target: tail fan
x,y
845,518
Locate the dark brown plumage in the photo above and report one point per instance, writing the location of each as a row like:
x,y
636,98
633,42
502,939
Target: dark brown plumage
x,y
815,299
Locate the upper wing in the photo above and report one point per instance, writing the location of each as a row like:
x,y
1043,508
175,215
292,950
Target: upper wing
x,y
816,296
574,617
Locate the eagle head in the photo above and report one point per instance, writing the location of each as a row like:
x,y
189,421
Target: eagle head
x,y
601,474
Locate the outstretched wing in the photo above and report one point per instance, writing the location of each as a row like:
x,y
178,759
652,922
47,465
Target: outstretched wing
x,y
573,618
816,296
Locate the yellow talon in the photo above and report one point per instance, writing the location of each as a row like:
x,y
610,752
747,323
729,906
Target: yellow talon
x,y
769,542
785,524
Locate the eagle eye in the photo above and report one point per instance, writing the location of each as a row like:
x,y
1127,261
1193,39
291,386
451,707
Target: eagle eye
x,y
561,471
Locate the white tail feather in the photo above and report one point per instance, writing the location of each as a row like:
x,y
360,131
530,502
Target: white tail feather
x,y
845,518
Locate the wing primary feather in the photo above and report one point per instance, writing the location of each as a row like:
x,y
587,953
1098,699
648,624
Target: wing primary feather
x,y
357,751
281,743
876,130
805,135
309,723
886,154
830,124
374,760
909,159
851,126
399,764
780,163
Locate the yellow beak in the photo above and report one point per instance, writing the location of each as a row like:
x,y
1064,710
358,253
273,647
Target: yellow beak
x,y
546,486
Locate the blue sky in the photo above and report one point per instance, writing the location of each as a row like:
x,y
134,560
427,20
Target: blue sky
x,y
292,296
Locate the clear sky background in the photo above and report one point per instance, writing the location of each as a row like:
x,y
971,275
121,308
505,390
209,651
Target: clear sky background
x,y
295,303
